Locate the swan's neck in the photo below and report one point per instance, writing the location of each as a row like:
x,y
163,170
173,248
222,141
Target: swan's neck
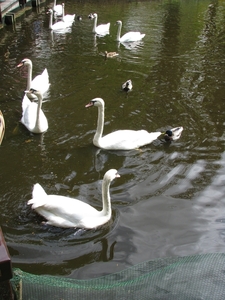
x,y
50,21
100,126
106,201
29,75
119,32
54,2
37,124
95,24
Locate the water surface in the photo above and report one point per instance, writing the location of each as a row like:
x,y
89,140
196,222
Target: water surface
x,y
170,199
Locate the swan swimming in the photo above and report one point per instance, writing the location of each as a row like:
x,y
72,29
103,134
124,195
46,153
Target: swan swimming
x,y
40,82
120,139
100,29
58,26
33,117
57,10
67,18
65,212
131,36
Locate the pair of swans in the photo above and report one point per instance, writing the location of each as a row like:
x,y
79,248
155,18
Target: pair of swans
x,y
60,25
103,29
124,139
33,118
65,212
40,82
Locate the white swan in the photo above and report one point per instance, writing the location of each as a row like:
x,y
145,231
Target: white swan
x,y
33,117
173,134
61,211
127,86
40,82
131,36
100,29
58,10
58,26
67,18
2,127
121,139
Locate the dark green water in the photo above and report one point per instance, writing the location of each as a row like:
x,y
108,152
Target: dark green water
x,y
170,198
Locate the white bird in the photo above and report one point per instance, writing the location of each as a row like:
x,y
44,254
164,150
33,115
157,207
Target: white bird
x,y
2,127
65,212
100,29
131,36
67,18
40,82
173,134
33,117
127,86
58,26
57,10
120,139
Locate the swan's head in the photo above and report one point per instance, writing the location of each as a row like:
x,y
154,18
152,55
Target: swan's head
x,y
173,134
33,91
99,102
24,62
118,22
50,11
111,174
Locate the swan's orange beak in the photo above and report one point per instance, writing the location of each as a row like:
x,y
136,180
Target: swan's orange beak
x,y
89,104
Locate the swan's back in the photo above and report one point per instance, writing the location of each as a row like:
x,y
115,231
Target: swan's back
x,y
127,139
132,36
41,82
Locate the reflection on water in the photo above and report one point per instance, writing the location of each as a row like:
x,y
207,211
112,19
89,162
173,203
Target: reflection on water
x,y
169,200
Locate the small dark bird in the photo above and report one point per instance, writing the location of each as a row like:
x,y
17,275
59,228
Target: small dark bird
x,y
127,86
173,134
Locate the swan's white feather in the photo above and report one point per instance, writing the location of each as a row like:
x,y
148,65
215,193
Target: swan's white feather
x,y
131,36
120,139
67,212
29,116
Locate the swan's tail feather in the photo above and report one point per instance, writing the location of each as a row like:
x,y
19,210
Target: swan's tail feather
x,y
39,196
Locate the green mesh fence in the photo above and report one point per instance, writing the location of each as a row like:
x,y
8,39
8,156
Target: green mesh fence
x,y
192,277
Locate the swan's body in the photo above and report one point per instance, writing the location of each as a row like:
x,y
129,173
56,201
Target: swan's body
x,y
100,29
33,117
2,127
67,212
127,86
67,18
131,36
40,82
173,134
121,139
110,54
58,26
57,10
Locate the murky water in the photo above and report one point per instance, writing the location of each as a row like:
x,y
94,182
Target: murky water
x,y
170,199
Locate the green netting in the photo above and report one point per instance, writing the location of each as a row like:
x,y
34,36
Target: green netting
x,y
191,277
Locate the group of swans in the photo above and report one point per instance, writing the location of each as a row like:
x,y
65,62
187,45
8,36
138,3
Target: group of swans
x,y
61,211
131,36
